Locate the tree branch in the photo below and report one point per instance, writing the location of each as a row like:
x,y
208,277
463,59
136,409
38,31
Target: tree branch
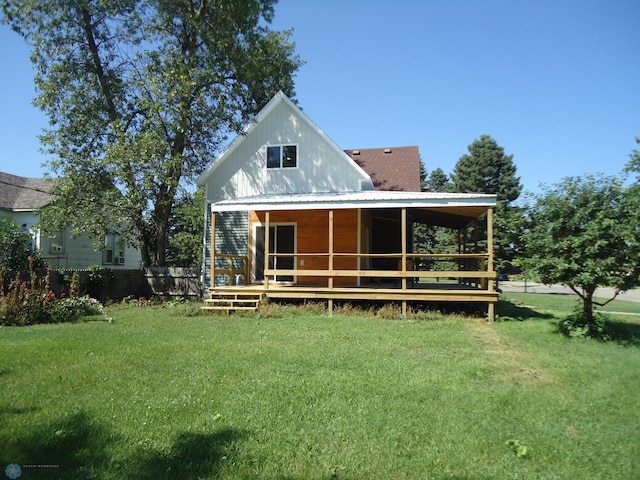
x,y
610,300
577,292
97,64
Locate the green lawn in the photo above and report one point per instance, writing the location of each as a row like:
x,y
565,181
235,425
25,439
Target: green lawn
x,y
160,395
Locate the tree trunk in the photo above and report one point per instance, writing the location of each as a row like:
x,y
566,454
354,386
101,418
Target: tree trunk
x,y
587,306
144,253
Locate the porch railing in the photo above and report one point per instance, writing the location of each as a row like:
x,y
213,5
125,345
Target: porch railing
x,y
237,275
470,268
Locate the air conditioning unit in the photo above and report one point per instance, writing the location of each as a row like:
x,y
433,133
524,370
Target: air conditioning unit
x,y
120,260
56,248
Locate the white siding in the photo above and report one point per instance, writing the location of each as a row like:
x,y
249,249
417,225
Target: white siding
x,y
79,253
321,167
76,253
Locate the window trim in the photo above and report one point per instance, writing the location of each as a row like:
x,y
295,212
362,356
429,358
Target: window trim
x,y
281,146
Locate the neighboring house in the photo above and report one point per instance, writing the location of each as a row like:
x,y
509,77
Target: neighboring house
x,y
22,198
294,216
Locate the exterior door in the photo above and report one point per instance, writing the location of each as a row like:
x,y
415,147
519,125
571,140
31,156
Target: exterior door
x,y
282,239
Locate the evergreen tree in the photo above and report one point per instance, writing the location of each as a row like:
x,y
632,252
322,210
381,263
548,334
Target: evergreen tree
x,y
426,236
438,181
486,169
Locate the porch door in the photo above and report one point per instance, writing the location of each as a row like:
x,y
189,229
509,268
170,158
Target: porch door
x,y
282,239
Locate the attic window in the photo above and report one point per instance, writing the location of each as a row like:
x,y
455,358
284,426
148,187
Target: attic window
x,y
282,156
387,151
356,152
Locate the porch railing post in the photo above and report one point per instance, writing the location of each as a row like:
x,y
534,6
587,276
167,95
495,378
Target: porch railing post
x,y
330,281
212,254
490,267
266,247
404,258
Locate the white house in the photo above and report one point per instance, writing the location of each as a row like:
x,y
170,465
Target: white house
x,y
21,200
289,214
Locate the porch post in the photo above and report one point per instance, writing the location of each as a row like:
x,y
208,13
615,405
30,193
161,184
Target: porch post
x,y
330,280
359,246
403,229
212,254
266,247
492,306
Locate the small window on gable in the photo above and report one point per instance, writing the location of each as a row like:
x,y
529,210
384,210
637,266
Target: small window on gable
x,y
282,156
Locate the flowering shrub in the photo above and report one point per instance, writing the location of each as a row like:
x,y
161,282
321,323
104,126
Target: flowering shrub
x,y
31,302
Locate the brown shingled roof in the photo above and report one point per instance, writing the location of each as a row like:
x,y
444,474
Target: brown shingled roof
x,y
20,193
395,169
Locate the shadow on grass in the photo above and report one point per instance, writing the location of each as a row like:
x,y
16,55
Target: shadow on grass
x,y
73,446
193,455
624,333
510,311
77,446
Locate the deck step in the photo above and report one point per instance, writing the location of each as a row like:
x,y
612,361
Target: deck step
x,y
230,301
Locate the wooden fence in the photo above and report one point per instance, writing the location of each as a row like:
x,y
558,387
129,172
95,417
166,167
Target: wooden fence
x,y
117,284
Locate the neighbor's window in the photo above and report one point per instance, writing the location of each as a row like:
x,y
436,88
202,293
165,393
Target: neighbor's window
x,y
113,250
57,243
282,156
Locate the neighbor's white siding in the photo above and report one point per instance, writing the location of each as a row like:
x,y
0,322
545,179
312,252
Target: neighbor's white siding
x,y
76,252
79,253
320,166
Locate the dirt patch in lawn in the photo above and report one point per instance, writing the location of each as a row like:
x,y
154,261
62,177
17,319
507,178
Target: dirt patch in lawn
x,y
511,364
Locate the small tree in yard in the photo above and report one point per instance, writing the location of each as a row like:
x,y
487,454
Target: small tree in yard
x,y
583,233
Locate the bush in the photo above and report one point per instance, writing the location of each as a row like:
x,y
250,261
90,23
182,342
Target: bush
x,y
33,302
577,326
73,308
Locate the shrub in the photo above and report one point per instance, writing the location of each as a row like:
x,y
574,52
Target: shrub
x,y
32,302
576,325
73,308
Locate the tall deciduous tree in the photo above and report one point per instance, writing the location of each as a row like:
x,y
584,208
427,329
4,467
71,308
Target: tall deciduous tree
x,y
487,169
583,233
140,94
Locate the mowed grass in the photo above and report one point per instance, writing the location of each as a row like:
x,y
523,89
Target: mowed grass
x,y
160,395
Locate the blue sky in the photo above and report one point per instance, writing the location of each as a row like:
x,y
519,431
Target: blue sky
x,y
555,82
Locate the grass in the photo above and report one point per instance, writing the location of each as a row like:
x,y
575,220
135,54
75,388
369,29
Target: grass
x,y
299,395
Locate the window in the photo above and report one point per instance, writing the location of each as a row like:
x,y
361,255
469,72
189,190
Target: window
x,y
282,156
113,250
56,244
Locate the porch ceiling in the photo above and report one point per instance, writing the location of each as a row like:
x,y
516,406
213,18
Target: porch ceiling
x,y
450,217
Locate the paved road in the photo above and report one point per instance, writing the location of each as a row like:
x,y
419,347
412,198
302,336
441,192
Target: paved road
x,y
530,287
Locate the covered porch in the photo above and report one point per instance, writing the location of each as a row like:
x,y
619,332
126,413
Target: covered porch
x,y
358,246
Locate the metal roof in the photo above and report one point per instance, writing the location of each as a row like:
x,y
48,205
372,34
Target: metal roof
x,y
364,199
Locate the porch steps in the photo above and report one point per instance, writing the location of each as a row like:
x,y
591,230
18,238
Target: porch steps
x,y
231,301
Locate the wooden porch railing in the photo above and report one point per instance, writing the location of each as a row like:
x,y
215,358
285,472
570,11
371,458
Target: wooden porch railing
x,y
408,266
231,271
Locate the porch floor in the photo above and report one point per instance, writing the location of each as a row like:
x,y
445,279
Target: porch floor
x,y
420,292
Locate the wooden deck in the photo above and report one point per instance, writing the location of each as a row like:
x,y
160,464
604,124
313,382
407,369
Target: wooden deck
x,y
241,296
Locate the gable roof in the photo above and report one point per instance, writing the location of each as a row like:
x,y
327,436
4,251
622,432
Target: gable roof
x,y
392,169
278,99
20,193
